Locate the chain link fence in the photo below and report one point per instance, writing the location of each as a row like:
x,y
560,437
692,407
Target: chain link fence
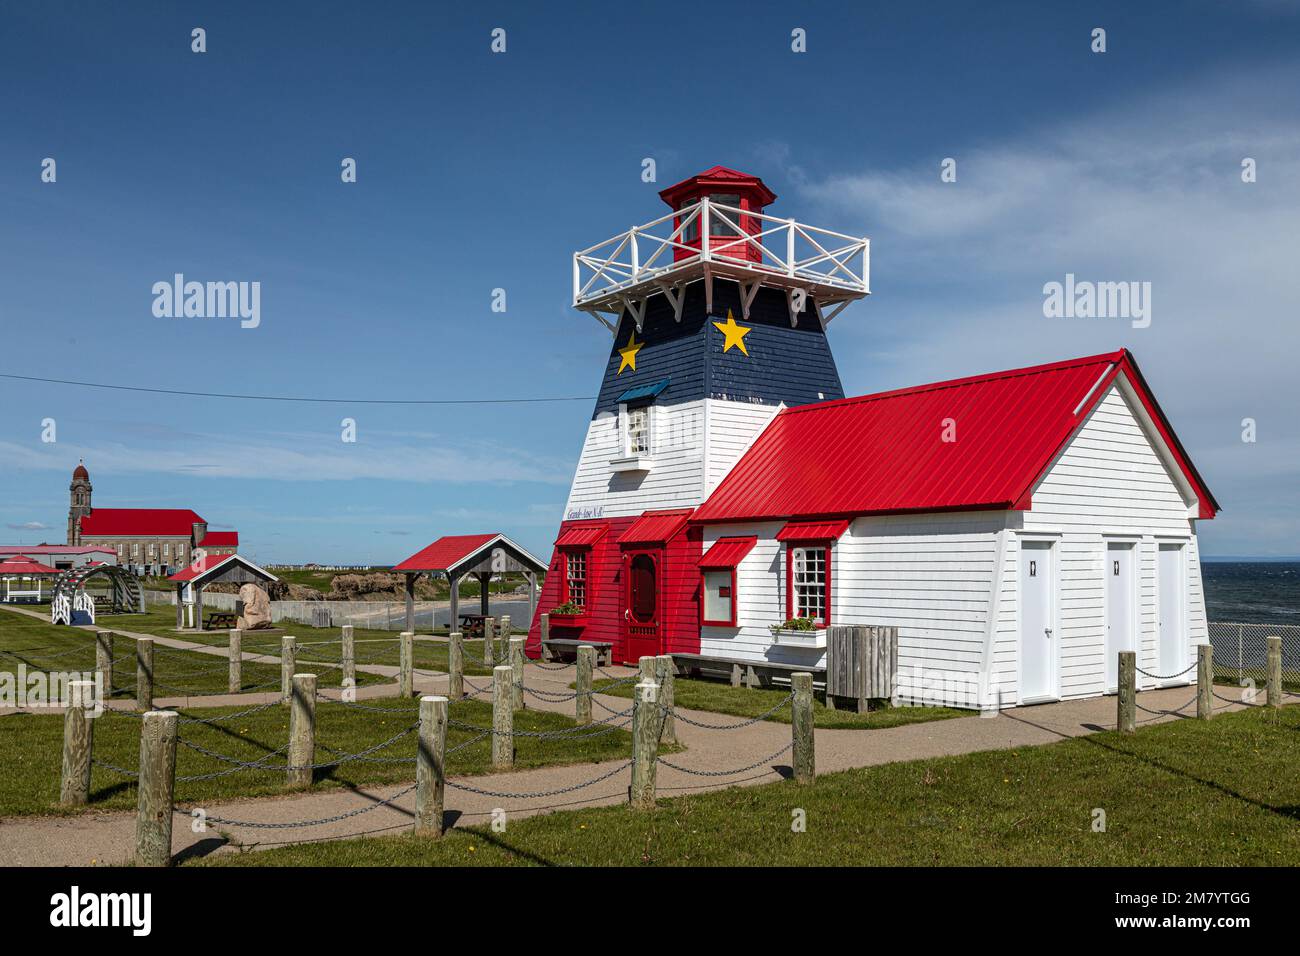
x,y
1241,651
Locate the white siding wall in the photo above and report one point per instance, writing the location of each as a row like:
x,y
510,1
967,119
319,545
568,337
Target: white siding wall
x,y
693,446
1108,483
930,575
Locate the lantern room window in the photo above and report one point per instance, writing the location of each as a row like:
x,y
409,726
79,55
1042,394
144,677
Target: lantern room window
x,y
808,578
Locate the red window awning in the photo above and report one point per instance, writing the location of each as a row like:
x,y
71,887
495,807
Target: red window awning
x,y
726,553
813,530
656,527
581,536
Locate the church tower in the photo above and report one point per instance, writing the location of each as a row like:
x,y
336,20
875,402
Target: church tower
x,y
718,313
79,501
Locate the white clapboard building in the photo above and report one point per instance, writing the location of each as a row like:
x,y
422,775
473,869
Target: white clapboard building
x,y
1018,528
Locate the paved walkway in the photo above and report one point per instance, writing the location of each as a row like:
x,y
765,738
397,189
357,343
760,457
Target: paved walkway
x,y
106,838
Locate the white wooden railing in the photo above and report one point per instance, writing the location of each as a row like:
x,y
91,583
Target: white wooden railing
x,y
781,248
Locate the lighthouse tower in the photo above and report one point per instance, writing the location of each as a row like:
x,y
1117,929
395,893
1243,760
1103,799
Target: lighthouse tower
x,y
718,312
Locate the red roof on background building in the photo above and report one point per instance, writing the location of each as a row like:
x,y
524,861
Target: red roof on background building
x,y
165,522
447,552
55,549
656,527
21,564
886,452
220,539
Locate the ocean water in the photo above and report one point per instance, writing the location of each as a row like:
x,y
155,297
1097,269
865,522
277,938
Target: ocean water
x,y
1252,592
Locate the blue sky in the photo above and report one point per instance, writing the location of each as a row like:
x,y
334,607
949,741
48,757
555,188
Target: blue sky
x,y
479,170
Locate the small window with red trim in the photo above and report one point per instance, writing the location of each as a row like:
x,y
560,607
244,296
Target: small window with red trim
x,y
719,605
576,587
809,582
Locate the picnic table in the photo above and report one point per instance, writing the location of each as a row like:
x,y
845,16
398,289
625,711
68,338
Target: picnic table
x,y
218,620
471,625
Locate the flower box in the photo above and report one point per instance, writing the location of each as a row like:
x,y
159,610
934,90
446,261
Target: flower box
x,y
568,620
793,638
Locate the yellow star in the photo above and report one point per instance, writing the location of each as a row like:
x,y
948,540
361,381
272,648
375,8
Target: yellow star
x,y
735,334
629,354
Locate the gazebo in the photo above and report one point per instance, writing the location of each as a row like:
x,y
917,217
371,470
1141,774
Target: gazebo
x,y
479,555
22,568
214,569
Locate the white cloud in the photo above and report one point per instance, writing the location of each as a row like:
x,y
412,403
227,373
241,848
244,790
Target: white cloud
x,y
1150,191
304,456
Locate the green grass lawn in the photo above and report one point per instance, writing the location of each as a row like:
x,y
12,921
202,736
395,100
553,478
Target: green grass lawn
x,y
47,647
1222,792
30,751
722,698
314,643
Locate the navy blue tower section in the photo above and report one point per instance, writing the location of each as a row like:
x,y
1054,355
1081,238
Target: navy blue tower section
x,y
786,364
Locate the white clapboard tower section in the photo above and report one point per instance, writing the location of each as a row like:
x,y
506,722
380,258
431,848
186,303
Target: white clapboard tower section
x,y
711,338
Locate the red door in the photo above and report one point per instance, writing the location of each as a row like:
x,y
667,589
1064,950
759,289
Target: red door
x,y
641,605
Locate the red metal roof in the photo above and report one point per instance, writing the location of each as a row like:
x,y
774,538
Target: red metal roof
x,y
220,539
25,566
166,522
727,552
208,563
887,452
813,530
447,552
656,527
582,536
211,562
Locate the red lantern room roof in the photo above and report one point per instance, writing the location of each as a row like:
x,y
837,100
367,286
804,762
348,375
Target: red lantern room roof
x,y
715,179
80,470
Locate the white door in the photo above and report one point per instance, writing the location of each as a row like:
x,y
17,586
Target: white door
x,y
1120,630
1037,651
1173,636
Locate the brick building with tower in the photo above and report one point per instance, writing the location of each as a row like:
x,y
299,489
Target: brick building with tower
x,y
146,540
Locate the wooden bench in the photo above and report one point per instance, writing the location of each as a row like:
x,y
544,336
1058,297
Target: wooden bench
x,y
220,620
753,673
604,649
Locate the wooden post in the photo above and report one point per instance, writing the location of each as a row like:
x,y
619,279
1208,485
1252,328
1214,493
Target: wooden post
x,y
517,667
646,669
1127,699
236,652
582,703
664,675
144,673
410,603
1204,680
288,664
503,718
104,661
801,728
302,730
155,789
489,638
455,665
504,630
78,734
406,652
645,744
545,630
1274,672
430,767
348,657
180,608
